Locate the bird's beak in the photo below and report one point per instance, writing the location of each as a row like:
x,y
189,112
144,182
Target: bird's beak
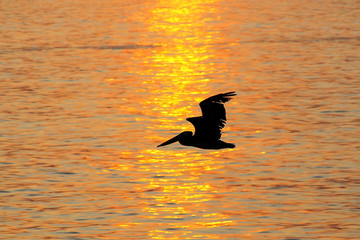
x,y
170,141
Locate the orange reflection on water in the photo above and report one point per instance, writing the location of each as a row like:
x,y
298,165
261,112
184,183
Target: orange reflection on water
x,y
178,68
175,193
178,193
79,157
174,187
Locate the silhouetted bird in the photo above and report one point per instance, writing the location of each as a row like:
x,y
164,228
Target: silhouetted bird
x,y
208,126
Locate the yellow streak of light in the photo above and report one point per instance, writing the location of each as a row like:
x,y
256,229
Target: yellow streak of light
x,y
177,73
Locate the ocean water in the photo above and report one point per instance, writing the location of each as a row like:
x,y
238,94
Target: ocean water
x,y
88,89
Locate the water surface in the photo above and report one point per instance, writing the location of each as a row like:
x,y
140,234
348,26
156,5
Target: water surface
x,y
90,88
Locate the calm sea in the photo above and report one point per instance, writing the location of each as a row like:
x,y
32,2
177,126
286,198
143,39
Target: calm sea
x,y
88,89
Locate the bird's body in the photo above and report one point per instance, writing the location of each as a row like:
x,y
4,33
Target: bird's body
x,y
208,126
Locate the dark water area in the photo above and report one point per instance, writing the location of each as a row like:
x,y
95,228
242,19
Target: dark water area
x,y
88,89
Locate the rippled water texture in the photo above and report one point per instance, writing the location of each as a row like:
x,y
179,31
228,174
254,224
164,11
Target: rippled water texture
x,y
88,89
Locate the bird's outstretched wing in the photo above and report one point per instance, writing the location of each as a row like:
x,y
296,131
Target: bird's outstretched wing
x,y
213,116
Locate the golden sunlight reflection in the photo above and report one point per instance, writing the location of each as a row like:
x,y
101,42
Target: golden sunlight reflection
x,y
177,192
178,68
174,187
176,72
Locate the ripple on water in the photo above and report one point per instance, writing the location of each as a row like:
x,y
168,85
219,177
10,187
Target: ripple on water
x,y
88,90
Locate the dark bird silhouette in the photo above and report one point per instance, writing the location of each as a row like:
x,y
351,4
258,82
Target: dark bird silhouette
x,y
208,126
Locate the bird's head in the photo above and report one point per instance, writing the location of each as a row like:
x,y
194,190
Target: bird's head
x,y
180,137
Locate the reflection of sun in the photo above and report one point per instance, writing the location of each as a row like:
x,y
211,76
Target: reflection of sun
x,y
178,67
177,72
177,192
171,184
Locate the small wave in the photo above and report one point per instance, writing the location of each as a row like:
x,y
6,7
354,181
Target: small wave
x,y
305,40
101,47
134,46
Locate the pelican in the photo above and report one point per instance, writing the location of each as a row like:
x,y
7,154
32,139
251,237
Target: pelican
x,y
208,126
